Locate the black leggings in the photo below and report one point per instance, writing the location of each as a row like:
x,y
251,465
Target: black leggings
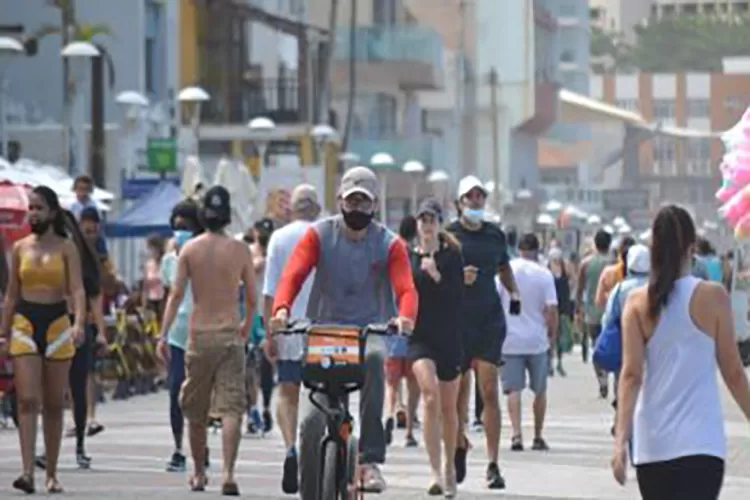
x,y
79,377
266,381
697,477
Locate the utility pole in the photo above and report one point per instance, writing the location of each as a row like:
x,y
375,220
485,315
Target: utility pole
x,y
494,82
459,110
323,111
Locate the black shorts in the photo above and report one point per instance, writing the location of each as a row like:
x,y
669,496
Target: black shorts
x,y
447,365
696,477
483,338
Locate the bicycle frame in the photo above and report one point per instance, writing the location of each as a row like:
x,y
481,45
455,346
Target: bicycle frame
x,y
339,427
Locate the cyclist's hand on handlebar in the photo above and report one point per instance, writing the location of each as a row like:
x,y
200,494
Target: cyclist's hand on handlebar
x,y
279,321
405,325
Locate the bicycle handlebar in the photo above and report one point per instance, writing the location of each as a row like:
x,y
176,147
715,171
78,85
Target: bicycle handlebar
x,y
301,327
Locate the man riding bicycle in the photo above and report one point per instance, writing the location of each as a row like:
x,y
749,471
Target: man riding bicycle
x,y
360,266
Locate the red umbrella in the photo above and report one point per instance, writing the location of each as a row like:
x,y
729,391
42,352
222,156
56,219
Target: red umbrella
x,y
14,204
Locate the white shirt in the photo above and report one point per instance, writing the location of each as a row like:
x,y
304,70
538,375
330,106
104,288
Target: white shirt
x,y
76,208
527,332
280,248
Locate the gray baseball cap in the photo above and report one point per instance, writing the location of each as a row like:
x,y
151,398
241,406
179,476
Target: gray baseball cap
x,y
304,197
359,180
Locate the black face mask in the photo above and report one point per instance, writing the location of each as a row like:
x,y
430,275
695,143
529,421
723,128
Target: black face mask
x,y
356,220
39,227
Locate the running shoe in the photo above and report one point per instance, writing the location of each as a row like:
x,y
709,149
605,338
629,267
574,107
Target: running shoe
x,y
539,444
290,479
178,462
267,421
516,443
94,429
411,441
372,479
495,480
41,462
389,425
83,461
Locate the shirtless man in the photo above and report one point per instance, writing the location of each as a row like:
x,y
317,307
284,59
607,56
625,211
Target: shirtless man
x,y
214,264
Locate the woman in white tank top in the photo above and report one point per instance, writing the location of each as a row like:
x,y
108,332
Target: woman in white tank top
x,y
676,331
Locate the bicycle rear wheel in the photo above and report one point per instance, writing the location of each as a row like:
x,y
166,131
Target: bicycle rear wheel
x,y
331,485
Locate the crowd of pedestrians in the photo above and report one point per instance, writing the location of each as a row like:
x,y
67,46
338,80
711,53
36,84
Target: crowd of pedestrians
x,y
482,311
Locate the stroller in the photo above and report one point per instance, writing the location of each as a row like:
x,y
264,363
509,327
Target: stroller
x,y
8,400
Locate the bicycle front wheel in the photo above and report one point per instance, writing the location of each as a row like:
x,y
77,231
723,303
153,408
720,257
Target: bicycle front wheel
x,y
351,470
331,485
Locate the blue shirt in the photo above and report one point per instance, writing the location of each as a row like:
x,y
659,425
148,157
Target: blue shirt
x,y
178,334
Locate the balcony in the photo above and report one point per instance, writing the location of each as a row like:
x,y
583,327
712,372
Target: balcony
x,y
404,56
402,149
280,99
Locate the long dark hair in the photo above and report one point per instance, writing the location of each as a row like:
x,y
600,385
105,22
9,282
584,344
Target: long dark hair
x,y
65,225
625,245
672,234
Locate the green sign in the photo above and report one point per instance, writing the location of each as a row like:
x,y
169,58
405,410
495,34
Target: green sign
x,y
162,155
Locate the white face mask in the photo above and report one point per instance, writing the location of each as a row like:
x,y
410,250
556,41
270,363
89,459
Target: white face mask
x,y
473,214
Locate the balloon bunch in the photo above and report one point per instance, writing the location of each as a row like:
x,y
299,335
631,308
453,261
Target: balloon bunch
x,y
734,192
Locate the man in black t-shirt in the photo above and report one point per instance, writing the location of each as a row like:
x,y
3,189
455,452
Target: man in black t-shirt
x,y
485,254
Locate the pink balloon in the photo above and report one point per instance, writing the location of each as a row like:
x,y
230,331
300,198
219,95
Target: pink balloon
x,y
725,193
742,229
736,207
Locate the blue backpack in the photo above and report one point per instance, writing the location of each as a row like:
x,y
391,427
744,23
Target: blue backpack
x,y
608,350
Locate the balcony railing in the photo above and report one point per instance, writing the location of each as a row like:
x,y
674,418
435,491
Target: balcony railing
x,y
279,99
402,149
391,44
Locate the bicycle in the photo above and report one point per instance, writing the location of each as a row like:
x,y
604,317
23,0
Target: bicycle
x,y
333,364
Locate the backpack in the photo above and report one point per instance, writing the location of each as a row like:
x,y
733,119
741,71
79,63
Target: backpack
x,y
608,350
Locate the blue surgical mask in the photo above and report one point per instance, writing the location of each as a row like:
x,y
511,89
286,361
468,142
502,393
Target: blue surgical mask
x,y
181,237
473,214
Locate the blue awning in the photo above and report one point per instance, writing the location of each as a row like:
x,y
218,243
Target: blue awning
x,y
149,214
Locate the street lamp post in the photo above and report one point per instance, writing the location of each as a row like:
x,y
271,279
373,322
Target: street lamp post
x,y
439,181
322,134
9,49
349,159
262,128
195,96
132,103
414,169
79,53
382,162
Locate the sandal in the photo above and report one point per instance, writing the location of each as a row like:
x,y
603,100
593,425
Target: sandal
x,y
25,483
198,483
230,489
54,486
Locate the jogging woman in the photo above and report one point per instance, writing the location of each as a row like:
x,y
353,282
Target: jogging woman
x,y
45,270
676,331
435,346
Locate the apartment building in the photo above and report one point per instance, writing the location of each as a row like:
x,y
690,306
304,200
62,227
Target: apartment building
x,y
684,170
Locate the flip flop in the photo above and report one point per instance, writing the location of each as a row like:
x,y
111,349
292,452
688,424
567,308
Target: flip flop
x,y
230,489
25,483
198,483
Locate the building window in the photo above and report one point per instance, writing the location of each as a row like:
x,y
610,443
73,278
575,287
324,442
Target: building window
x,y
664,109
568,9
699,157
384,12
734,103
699,108
664,156
628,104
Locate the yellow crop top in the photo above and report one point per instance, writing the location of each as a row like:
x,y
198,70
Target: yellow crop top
x,y
49,274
